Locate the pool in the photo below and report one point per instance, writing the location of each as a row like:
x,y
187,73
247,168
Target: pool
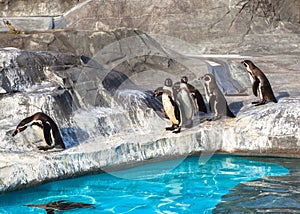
x,y
176,186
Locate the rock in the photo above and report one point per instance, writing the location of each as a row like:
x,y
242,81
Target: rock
x,y
17,8
229,27
28,24
21,70
246,27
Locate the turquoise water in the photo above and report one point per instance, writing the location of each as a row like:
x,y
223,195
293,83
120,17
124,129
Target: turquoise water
x,y
192,187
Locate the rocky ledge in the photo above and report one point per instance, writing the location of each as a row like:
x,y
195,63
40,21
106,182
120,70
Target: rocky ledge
x,y
266,130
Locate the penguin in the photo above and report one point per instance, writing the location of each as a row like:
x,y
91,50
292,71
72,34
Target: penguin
x,y
170,107
198,99
45,128
56,206
216,100
186,105
260,84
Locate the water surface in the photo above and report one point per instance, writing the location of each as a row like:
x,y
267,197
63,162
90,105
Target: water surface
x,y
190,187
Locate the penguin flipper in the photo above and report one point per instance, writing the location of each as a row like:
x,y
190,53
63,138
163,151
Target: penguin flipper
x,y
47,135
50,211
200,101
255,86
211,103
176,109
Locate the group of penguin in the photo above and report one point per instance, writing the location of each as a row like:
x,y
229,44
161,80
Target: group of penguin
x,y
180,103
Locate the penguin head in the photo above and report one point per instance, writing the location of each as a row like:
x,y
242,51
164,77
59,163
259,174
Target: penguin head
x,y
168,82
184,79
248,64
21,127
208,78
157,92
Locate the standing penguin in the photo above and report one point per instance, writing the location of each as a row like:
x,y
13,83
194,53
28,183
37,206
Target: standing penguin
x,y
198,99
260,84
45,128
216,100
170,107
186,105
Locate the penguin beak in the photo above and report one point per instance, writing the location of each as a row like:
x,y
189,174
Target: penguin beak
x,y
243,62
154,95
18,130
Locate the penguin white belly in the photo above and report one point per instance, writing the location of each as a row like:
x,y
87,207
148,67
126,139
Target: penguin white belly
x,y
52,138
169,109
251,78
207,93
186,104
260,95
39,131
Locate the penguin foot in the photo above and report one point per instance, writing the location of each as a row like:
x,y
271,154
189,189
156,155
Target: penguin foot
x,y
259,102
45,148
214,118
255,102
170,128
177,131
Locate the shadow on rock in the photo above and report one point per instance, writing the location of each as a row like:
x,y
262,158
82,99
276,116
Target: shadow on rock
x,y
236,106
73,136
282,95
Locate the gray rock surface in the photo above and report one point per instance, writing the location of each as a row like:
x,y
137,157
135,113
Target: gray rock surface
x,y
16,8
246,27
215,26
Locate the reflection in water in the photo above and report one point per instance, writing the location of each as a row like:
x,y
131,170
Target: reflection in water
x,y
276,194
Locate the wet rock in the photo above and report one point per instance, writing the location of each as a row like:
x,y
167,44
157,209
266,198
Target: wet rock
x,y
22,70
